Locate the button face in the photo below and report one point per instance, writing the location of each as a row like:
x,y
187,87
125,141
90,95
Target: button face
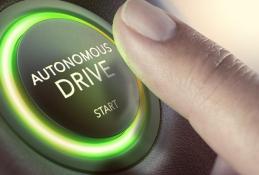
x,y
76,76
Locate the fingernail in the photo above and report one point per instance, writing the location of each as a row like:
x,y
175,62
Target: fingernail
x,y
148,20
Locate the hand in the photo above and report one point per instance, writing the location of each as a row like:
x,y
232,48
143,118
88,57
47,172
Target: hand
x,y
203,82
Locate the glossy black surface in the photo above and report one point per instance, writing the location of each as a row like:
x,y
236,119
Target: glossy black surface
x,y
59,53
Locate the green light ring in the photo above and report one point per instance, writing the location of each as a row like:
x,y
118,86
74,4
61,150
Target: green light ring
x,y
87,148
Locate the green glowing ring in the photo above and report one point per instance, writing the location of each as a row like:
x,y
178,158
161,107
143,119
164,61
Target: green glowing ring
x,y
116,153
28,115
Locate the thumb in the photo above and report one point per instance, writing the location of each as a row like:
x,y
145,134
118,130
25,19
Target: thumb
x,y
199,79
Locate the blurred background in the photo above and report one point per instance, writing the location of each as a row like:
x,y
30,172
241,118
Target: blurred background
x,y
233,24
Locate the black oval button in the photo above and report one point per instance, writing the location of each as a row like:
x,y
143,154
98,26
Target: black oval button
x,y
74,74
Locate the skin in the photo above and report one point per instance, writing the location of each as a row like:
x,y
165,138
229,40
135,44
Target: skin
x,y
203,82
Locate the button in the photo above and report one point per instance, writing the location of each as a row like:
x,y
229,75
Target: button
x,y
66,91
75,75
